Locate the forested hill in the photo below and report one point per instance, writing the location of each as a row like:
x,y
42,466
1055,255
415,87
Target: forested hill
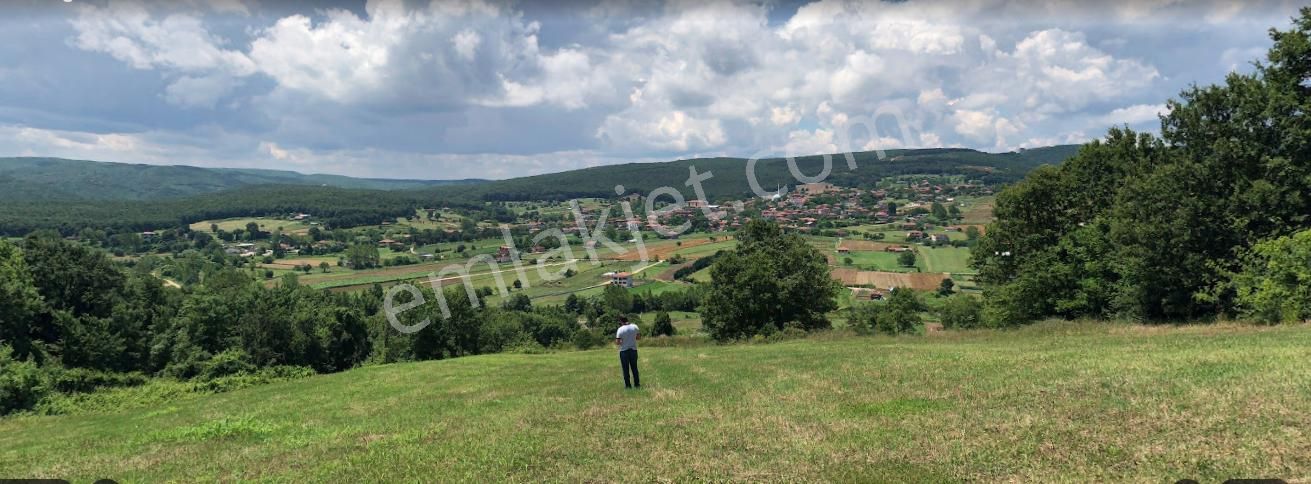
x,y
51,179
730,174
67,195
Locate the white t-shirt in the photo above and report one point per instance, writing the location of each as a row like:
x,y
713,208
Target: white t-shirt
x,y
627,336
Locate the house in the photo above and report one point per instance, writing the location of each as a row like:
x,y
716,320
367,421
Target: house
x,y
503,254
622,279
698,203
914,235
939,239
844,250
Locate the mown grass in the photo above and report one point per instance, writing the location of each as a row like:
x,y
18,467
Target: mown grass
x,y
1054,402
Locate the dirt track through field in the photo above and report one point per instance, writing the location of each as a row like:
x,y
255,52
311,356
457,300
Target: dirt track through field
x,y
868,245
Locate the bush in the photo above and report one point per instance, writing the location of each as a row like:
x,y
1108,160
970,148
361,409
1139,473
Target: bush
x,y
584,339
901,313
961,311
82,380
664,325
1274,286
228,363
21,383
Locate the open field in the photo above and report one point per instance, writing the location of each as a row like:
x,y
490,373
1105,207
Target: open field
x,y
1053,402
265,225
873,261
921,281
978,212
945,259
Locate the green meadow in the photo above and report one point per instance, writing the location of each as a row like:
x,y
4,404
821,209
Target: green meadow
x,y
1051,402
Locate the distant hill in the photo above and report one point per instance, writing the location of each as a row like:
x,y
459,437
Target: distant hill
x,y
69,195
730,174
38,179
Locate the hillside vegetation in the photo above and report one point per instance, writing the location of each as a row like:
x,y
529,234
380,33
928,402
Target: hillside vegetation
x,y
23,179
731,181
68,195
1056,401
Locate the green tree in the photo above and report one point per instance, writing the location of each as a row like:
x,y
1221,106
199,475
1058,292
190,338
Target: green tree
x,y
617,299
664,325
362,256
1276,285
901,313
946,287
961,311
19,302
939,212
770,280
906,259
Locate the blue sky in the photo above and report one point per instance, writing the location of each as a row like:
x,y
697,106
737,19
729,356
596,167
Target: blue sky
x,y
460,89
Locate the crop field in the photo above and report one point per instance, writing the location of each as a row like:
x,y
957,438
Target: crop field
x,y
920,281
874,261
1051,402
945,259
265,225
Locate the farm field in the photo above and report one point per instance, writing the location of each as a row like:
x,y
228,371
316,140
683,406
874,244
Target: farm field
x,y
265,224
944,259
1050,402
874,261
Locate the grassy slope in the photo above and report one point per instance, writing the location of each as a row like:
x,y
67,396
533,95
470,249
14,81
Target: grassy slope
x,y
1052,402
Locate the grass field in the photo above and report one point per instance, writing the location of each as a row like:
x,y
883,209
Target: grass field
x,y
1052,402
265,224
873,261
945,259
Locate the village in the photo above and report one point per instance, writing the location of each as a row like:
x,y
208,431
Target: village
x,y
912,233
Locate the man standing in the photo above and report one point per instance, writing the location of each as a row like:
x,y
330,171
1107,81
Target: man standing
x,y
626,339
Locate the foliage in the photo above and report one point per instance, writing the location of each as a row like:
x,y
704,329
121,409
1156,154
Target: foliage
x,y
961,311
900,314
771,279
1156,228
663,326
1276,284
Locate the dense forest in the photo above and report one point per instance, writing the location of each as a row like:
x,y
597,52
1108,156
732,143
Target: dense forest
x,y
55,179
1207,220
730,179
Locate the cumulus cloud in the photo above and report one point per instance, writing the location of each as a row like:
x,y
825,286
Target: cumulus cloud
x,y
635,80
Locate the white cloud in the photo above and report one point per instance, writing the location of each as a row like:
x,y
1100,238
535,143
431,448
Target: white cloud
x,y
636,80
1136,114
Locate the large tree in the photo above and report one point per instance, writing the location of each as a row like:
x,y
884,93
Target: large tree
x,y
1156,229
770,280
19,301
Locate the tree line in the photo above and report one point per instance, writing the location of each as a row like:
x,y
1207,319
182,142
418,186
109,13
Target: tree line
x,y
1207,220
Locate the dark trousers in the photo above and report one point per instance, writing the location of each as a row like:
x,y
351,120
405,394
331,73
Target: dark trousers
x,y
628,360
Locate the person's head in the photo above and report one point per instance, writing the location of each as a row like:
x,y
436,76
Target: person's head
x,y
623,320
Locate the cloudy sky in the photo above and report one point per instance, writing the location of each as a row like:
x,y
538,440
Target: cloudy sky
x,y
480,88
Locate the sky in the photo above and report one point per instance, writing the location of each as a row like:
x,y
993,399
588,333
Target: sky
x,y
485,89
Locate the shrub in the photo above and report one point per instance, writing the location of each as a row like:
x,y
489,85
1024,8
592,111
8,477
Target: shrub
x,y
82,380
901,313
1274,286
664,325
583,339
21,383
229,362
961,311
